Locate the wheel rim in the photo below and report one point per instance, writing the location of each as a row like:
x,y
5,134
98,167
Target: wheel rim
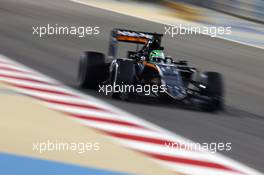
x,y
123,96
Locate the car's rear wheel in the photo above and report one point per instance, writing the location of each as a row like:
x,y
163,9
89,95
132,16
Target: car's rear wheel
x,y
91,70
214,90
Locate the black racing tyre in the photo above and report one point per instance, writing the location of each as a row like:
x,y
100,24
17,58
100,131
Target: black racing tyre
x,y
123,74
126,72
214,90
91,70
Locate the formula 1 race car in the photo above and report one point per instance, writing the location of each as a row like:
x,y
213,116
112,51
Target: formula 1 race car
x,y
172,80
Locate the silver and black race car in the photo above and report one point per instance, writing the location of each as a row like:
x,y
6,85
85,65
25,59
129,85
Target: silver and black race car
x,y
148,66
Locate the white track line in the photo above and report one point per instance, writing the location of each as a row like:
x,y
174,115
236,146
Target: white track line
x,y
144,137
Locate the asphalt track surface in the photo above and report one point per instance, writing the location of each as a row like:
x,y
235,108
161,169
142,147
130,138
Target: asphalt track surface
x,y
242,122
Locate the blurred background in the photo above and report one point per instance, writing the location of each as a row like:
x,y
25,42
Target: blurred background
x,y
28,121
250,10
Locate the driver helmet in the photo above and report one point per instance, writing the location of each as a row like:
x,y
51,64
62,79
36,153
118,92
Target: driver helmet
x,y
156,56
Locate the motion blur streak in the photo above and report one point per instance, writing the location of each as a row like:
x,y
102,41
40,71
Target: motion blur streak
x,y
242,123
129,131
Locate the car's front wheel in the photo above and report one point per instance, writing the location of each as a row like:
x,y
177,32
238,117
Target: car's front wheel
x,y
123,75
214,90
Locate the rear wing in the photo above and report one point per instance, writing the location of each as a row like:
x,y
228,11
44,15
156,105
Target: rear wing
x,y
130,36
